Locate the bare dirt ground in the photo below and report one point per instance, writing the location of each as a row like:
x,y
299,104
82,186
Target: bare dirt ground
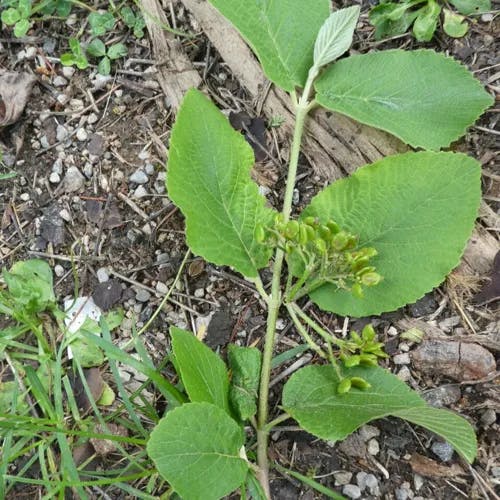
x,y
90,155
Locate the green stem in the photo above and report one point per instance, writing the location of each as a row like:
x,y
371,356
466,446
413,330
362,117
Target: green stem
x,y
276,421
275,301
303,332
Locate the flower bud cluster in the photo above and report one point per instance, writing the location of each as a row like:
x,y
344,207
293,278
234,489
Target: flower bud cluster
x,y
326,253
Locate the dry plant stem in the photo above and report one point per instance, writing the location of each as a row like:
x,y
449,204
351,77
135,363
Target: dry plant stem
x,y
275,300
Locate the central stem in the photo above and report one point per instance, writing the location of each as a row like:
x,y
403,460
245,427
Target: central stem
x,y
275,301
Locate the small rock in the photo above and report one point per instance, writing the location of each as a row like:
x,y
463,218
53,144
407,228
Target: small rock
x,y
495,471
24,196
418,481
73,180
62,99
61,133
342,478
59,270
140,192
81,134
280,324
54,178
404,374
68,71
149,168
458,360
199,293
424,306
146,229
65,215
392,331
96,145
443,450
371,482
142,295
139,177
59,81
76,104
444,395
143,155
401,359
57,166
489,417
351,491
487,17
402,493
102,275
31,52
92,118
368,431
360,480
353,446
373,447
162,288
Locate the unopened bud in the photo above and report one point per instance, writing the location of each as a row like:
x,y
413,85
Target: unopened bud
x,y
371,279
344,386
360,383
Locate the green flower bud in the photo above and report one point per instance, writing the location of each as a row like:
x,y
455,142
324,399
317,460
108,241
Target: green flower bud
x,y
260,233
303,239
352,241
344,386
368,359
311,221
368,333
311,234
333,227
360,383
351,361
321,246
369,252
359,264
325,233
340,241
289,247
291,229
371,279
356,338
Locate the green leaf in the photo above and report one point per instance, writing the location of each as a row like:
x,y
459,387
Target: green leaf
x,y
67,59
282,34
96,48
104,66
30,284
196,448
24,7
128,16
203,372
244,363
117,50
209,180
311,398
75,47
468,7
21,28
101,23
417,210
426,22
10,16
454,25
81,62
335,36
410,94
392,19
63,7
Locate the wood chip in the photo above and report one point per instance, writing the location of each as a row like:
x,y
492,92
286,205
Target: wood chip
x,y
430,468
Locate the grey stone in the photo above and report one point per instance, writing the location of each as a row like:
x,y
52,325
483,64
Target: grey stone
x,y
342,477
61,133
351,491
73,180
102,275
444,395
59,81
149,168
443,450
401,359
139,177
426,305
68,71
59,270
81,134
368,431
142,295
140,192
373,447
54,178
489,417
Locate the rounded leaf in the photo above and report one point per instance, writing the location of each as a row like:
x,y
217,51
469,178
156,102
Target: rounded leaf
x,y
417,210
424,98
21,28
104,66
454,25
117,50
96,48
10,16
196,448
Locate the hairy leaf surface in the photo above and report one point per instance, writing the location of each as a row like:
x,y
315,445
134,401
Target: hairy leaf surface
x,y
311,398
203,372
417,210
424,98
196,449
209,180
282,34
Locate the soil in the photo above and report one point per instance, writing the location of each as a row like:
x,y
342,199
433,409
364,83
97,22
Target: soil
x,y
75,198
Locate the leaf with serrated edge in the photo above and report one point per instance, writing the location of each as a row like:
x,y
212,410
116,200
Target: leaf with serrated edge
x,y
282,34
425,99
196,448
208,178
203,372
311,398
335,36
417,210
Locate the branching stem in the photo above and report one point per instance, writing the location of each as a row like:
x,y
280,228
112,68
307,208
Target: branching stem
x,y
302,108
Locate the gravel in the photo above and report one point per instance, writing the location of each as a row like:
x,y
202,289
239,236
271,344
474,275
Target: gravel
x,y
342,478
73,180
142,295
139,177
443,450
351,491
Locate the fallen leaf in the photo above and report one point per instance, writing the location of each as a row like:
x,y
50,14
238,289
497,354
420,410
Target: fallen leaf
x,y
106,446
491,291
254,130
52,226
430,468
96,386
219,329
15,89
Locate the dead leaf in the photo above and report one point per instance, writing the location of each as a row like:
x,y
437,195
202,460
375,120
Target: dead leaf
x,y
490,291
254,130
104,447
15,89
96,386
52,226
219,329
107,294
430,468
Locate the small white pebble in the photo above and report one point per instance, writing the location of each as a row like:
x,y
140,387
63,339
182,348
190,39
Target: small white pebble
x,y
68,71
392,331
373,447
62,99
404,347
92,118
24,196
31,52
140,192
65,215
404,374
54,178
199,293
59,81
102,275
59,270
81,134
402,359
161,288
280,324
